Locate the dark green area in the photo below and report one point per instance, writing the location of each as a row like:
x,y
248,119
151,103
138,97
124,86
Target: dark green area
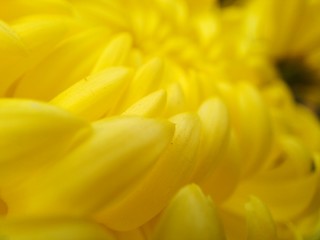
x,y
300,78
295,73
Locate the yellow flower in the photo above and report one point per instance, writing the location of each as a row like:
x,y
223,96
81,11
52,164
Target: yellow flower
x,y
143,120
284,34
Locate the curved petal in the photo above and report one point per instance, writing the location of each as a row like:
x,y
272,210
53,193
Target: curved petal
x,y
147,77
150,106
170,173
215,133
259,221
115,52
226,173
45,81
93,96
190,215
99,169
33,132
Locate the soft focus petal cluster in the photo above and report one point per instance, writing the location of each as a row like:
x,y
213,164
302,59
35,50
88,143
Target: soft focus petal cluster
x,y
159,120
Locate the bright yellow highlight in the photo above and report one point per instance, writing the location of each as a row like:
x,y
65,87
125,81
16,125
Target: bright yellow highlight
x,y
159,120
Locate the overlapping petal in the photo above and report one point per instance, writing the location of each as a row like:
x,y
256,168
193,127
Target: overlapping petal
x,y
92,168
110,111
190,215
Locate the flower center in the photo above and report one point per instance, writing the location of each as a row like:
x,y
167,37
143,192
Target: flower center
x,y
302,80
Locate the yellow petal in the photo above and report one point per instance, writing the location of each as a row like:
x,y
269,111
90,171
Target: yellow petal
x,y
299,192
309,224
192,90
176,102
11,10
259,221
261,22
108,14
146,79
189,216
93,96
53,229
307,36
287,14
250,118
115,52
215,133
39,34
228,172
69,62
308,128
149,106
32,132
11,45
143,29
116,155
13,51
295,160
169,174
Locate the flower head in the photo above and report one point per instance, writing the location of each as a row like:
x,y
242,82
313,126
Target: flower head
x,y
158,120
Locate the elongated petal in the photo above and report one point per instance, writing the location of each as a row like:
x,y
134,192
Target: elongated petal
x,y
32,132
290,18
11,45
149,106
299,193
275,22
259,221
176,102
306,36
146,79
53,229
59,71
215,132
228,172
261,23
14,9
110,14
254,133
91,97
116,155
190,216
39,34
115,52
171,172
12,51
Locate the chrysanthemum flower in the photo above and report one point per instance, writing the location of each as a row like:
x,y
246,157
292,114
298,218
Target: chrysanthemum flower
x,y
285,34
143,120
